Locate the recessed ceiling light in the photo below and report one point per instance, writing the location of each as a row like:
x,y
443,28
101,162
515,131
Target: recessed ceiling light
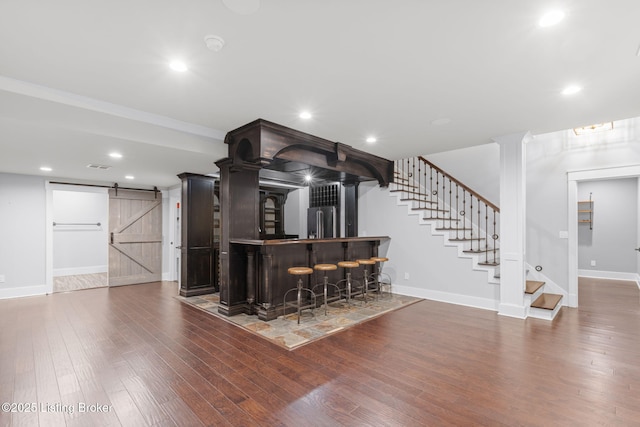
x,y
551,18
571,90
46,169
129,177
308,177
115,155
178,66
305,115
371,139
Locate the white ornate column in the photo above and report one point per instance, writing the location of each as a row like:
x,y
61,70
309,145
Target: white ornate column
x,y
512,224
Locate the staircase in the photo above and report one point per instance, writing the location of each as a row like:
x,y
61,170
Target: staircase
x,y
541,305
466,220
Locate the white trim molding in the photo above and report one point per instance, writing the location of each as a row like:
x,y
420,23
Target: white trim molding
x,y
27,291
573,177
612,275
458,299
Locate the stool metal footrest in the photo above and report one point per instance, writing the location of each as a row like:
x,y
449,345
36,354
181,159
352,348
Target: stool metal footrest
x,y
326,298
349,290
299,304
380,282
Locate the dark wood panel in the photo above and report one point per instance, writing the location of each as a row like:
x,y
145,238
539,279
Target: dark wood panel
x,y
200,251
258,273
156,361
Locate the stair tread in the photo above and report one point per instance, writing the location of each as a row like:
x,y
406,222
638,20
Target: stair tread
x,y
490,264
414,199
404,188
466,239
547,301
429,209
480,251
533,286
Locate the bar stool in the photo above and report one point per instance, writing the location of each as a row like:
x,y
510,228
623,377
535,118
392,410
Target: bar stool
x,y
366,277
298,303
382,279
325,284
348,291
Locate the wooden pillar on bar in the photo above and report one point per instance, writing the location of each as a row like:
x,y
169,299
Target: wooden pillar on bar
x,y
512,224
239,202
351,209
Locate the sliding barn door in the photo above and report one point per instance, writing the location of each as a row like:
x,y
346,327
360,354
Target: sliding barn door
x,y
135,239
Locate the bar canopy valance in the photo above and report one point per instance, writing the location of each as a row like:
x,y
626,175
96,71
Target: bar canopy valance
x,y
288,154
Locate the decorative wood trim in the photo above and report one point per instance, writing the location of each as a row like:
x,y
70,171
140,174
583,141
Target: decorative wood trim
x,y
261,142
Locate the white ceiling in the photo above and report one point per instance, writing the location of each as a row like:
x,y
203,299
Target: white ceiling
x,y
79,79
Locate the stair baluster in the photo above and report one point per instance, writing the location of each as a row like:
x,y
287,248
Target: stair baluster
x,y
417,183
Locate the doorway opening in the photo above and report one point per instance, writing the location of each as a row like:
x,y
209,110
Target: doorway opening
x,y
79,232
575,181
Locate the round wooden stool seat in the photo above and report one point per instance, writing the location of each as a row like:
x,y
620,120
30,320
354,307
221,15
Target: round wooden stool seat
x,y
348,264
300,270
380,259
366,261
325,267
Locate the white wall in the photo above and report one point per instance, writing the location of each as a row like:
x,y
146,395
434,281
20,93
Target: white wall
x,y
22,235
80,249
611,240
26,216
434,270
292,214
549,158
477,167
295,212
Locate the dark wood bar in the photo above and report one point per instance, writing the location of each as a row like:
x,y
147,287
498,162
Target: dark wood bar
x,y
252,274
262,265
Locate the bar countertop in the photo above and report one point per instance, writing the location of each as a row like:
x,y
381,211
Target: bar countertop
x,y
305,241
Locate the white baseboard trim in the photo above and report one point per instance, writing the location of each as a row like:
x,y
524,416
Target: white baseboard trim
x,y
613,275
510,310
27,291
466,300
573,300
74,271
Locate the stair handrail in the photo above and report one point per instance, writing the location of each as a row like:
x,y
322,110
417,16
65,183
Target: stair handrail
x,y
452,178
454,206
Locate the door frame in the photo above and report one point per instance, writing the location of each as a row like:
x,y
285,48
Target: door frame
x,y
175,238
573,177
49,189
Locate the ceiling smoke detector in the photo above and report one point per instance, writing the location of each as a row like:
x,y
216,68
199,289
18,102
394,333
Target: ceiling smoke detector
x,y
214,43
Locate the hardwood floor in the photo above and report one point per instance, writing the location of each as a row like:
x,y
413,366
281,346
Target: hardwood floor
x,y
150,360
